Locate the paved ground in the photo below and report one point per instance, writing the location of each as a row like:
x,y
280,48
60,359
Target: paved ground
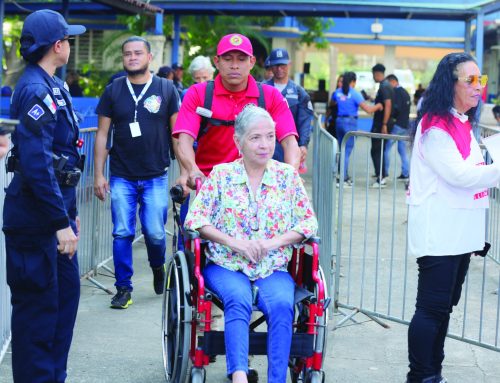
x,y
125,346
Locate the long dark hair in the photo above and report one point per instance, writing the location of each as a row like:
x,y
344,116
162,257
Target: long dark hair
x,y
348,77
440,94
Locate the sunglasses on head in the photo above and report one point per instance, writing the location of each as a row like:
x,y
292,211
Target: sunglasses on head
x,y
475,80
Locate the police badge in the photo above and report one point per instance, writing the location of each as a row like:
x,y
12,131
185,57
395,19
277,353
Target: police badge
x,y
152,103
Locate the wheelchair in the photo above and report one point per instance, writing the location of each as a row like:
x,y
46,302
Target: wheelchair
x,y
188,340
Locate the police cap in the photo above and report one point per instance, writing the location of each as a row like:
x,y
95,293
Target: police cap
x,y
279,56
45,27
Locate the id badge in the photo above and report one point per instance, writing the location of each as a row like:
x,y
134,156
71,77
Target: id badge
x,y
135,129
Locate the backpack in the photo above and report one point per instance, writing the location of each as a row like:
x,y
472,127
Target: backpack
x,y
116,88
209,95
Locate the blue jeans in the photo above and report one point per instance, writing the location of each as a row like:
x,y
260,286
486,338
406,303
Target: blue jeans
x,y
344,125
152,196
275,299
440,280
405,164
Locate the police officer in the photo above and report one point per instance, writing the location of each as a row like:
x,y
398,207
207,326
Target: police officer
x,y
297,98
39,213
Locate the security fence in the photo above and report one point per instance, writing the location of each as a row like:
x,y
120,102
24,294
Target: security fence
x,y
95,243
324,174
374,274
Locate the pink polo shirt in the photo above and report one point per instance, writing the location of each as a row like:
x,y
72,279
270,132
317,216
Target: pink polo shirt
x,y
217,145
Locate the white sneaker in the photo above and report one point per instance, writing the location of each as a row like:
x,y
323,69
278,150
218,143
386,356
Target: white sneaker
x,y
381,184
384,181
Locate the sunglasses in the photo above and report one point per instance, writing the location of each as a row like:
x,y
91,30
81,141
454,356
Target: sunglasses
x,y
475,80
69,38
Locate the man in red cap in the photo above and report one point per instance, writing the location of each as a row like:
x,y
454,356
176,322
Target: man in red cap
x,y
232,89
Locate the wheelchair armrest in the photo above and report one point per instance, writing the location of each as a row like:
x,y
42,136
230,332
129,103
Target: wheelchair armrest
x,y
312,240
191,234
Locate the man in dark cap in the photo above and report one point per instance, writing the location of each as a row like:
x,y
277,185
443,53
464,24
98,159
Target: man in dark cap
x,y
178,73
40,214
297,98
382,123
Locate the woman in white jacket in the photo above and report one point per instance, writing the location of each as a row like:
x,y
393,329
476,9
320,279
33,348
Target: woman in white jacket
x,y
448,198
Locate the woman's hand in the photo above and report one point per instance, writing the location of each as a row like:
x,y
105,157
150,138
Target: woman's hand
x,y
251,249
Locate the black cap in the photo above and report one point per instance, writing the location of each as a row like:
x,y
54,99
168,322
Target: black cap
x,y
46,27
279,56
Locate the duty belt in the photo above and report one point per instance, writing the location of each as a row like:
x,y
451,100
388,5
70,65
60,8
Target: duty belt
x,y
63,177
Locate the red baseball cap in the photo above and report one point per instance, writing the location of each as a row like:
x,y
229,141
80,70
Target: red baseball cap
x,y
234,42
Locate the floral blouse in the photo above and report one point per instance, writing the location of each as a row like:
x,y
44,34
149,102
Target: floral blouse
x,y
226,202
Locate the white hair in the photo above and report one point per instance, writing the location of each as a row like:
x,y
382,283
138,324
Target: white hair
x,y
247,116
199,63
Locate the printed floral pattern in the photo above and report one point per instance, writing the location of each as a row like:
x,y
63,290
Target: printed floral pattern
x,y
225,202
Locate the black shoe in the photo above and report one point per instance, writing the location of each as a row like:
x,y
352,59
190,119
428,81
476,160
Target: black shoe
x,y
252,376
122,299
403,178
159,279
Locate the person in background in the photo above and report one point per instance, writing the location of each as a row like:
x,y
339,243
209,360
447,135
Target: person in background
x,y
178,74
139,114
448,198
401,117
418,94
496,113
40,218
332,111
382,123
253,248
268,73
348,100
297,98
166,72
73,79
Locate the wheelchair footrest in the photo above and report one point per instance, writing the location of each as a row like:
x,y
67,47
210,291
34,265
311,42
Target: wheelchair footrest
x,y
212,343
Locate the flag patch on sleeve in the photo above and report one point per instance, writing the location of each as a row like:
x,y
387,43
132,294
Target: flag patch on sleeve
x,y
50,104
36,112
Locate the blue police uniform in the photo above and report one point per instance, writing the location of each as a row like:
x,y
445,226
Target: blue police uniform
x,y
41,200
302,111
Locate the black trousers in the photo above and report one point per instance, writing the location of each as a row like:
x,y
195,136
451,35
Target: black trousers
x,y
440,280
377,153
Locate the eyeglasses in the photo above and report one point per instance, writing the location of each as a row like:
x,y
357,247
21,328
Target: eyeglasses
x,y
475,80
254,219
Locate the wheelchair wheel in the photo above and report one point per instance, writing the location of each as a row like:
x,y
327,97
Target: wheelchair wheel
x,y
176,320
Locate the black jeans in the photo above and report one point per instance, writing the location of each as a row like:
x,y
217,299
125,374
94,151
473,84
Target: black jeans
x,y
377,153
440,280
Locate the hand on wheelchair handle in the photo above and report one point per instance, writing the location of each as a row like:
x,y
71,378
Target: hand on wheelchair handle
x,y
177,194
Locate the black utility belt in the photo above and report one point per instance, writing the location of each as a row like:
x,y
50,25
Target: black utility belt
x,y
68,177
345,116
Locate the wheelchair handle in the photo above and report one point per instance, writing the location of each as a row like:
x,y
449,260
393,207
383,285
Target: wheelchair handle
x,y
198,184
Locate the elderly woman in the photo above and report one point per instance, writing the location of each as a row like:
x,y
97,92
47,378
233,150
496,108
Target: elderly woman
x,y
252,210
201,69
447,199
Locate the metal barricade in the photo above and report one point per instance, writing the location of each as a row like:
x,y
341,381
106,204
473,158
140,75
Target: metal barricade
x,y
379,278
324,195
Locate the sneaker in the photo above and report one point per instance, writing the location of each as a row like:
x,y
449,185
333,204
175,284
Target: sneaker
x,y
159,279
378,184
384,180
403,178
122,299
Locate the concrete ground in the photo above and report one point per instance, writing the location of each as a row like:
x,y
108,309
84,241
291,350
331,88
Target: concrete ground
x,y
125,345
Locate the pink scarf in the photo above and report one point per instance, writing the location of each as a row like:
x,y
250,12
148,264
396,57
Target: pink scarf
x,y
458,130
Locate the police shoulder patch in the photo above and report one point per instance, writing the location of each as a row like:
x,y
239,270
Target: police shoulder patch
x,y
36,112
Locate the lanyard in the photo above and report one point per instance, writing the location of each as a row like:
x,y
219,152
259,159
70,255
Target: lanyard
x,y
137,99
